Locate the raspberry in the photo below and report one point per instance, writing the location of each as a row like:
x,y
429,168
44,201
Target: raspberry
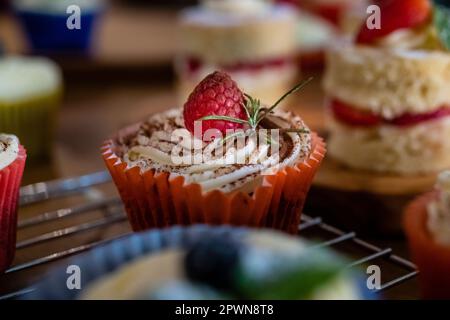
x,y
217,95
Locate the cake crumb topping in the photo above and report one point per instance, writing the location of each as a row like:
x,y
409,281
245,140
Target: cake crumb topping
x,y
154,146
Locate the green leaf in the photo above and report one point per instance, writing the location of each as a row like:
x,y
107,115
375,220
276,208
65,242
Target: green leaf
x,y
442,24
290,278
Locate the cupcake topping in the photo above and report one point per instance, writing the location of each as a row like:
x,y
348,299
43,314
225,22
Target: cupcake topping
x,y
217,94
224,141
24,78
9,149
409,24
163,144
396,15
59,6
439,211
243,7
237,12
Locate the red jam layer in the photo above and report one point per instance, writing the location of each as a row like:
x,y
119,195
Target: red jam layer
x,y
194,64
355,117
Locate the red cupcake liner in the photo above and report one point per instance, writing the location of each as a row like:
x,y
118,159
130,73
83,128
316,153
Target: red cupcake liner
x,y
10,179
432,258
152,200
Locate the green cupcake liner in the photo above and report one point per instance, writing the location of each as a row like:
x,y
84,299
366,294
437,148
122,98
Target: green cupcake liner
x,y
33,121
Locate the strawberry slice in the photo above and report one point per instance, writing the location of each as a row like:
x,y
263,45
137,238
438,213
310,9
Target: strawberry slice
x,y
354,116
412,119
395,15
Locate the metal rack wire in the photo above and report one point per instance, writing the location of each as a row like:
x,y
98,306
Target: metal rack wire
x,y
113,213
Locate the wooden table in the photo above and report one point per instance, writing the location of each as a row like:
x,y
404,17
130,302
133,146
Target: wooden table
x,y
105,97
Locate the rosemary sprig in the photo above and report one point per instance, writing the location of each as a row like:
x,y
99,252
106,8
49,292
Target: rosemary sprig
x,y
256,113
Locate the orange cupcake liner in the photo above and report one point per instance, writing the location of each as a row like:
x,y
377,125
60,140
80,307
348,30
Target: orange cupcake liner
x,y
152,200
432,258
10,179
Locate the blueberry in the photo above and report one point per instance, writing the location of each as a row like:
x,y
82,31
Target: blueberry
x,y
213,261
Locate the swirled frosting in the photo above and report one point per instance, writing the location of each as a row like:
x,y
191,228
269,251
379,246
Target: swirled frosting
x,y
163,144
23,78
439,211
9,149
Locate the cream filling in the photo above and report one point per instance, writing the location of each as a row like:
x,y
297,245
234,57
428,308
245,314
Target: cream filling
x,y
9,149
217,164
404,39
439,211
23,78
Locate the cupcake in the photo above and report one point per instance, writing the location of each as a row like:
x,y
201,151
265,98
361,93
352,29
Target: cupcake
x,y
251,266
332,10
313,36
388,93
427,226
252,40
46,24
30,93
12,164
223,159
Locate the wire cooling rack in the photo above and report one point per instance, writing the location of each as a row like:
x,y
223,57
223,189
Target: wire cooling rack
x,y
96,212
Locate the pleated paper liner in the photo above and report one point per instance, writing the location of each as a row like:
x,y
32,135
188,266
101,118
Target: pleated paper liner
x,y
33,121
155,201
432,258
10,179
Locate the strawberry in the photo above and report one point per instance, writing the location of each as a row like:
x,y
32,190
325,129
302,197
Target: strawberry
x,y
353,116
395,15
215,95
413,119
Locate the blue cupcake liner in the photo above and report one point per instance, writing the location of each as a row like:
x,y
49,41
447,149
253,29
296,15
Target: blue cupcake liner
x,y
47,32
110,257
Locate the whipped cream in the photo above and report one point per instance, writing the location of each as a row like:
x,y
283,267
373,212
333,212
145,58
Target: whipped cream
x,y
439,211
58,6
153,148
23,78
236,12
246,7
9,149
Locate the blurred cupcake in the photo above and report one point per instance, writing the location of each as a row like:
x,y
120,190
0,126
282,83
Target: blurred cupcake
x,y
331,10
427,226
250,265
46,24
313,37
389,97
30,93
12,164
223,159
253,40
